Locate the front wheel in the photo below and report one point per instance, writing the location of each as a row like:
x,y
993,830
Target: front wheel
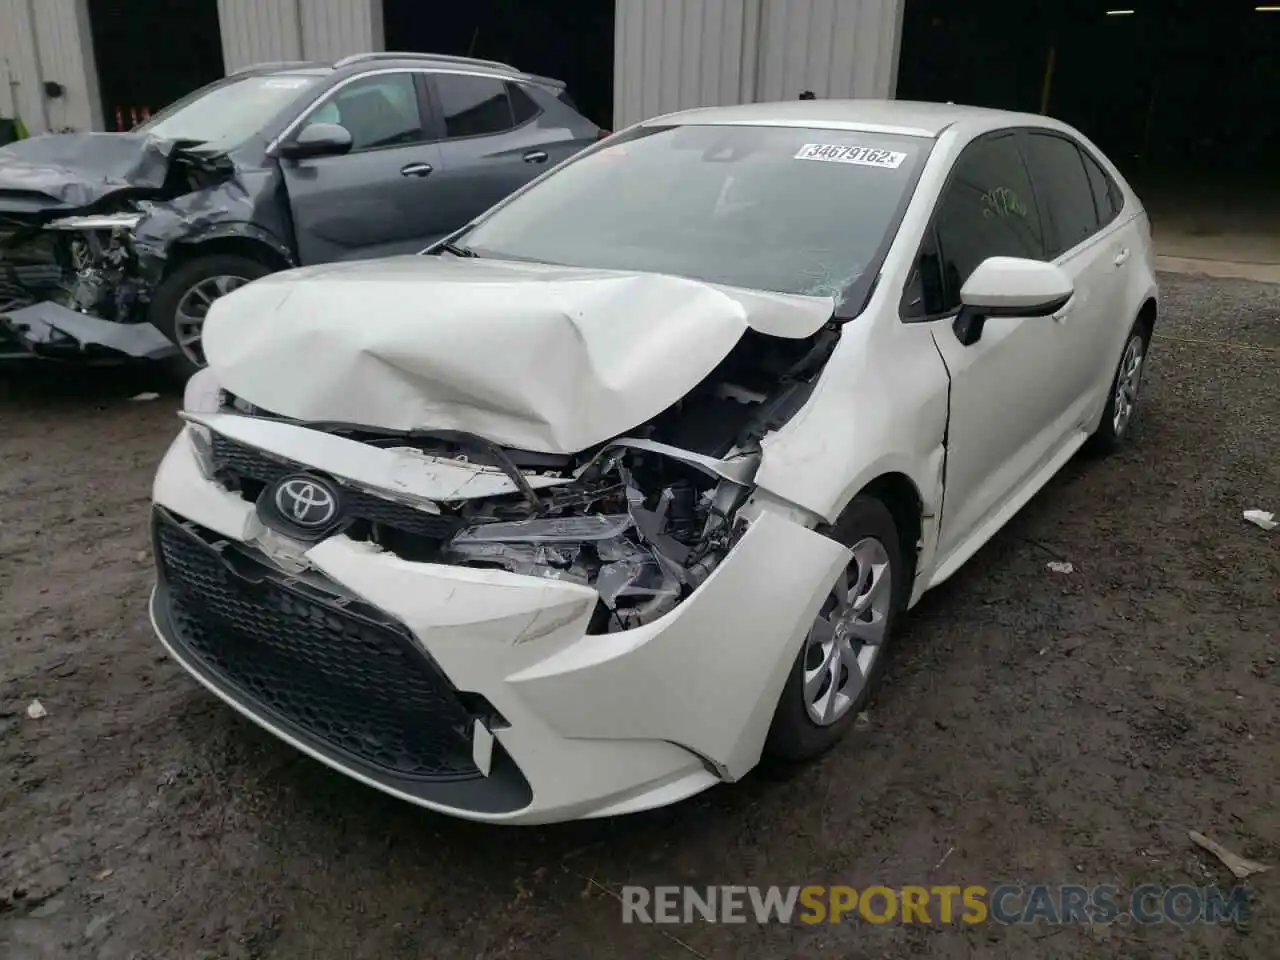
x,y
182,301
844,651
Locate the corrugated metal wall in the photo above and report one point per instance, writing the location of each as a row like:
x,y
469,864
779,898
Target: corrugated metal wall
x,y
836,48
257,31
332,29
43,40
675,54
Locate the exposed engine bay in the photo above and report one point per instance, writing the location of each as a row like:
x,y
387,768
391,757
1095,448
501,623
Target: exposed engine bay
x,y
642,519
88,223
86,264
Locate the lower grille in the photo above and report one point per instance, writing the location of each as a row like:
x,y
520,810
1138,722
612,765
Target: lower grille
x,y
331,667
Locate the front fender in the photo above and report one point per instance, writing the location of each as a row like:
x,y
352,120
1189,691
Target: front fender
x,y
865,419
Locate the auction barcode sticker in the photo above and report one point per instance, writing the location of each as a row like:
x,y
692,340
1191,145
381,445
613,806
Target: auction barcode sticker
x,y
862,156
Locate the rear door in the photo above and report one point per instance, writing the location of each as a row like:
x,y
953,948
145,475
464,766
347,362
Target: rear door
x,y
1088,245
492,144
361,204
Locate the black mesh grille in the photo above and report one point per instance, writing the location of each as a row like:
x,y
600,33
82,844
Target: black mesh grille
x,y
344,677
244,462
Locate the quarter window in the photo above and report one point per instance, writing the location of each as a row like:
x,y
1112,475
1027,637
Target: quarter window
x,y
473,106
1106,195
988,210
523,106
1063,184
378,111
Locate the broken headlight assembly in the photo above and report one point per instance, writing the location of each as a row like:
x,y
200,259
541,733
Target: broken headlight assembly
x,y
83,263
202,394
662,528
636,583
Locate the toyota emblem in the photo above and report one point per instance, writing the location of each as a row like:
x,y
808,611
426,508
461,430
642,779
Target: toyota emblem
x,y
306,502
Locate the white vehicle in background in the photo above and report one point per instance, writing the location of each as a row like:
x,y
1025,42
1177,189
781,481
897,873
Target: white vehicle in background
x,y
628,484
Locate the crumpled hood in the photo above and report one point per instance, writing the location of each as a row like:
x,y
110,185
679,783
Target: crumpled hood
x,y
538,357
72,170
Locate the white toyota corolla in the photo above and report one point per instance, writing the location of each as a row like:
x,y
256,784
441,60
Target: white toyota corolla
x,y
628,484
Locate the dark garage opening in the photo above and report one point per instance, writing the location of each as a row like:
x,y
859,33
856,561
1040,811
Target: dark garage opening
x,y
150,53
1184,95
570,40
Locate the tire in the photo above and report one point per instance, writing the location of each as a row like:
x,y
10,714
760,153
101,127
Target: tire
x,y
191,287
796,733
1114,430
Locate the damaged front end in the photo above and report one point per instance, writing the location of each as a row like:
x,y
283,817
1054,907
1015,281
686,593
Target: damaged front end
x,y
74,284
80,252
641,524
641,520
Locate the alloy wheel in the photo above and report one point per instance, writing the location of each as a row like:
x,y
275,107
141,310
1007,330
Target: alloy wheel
x,y
1128,385
193,308
846,638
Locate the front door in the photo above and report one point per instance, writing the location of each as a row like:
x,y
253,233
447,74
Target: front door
x,y
1009,388
372,201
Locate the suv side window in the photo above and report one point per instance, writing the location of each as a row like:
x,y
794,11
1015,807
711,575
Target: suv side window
x,y
473,106
1058,170
987,209
523,106
380,110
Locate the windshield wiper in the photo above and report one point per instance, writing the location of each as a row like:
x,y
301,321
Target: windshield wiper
x,y
458,251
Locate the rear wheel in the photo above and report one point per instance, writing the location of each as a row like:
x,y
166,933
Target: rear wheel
x,y
182,301
844,651
1126,388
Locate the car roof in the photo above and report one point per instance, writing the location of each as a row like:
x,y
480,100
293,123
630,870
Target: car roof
x,y
365,62
906,117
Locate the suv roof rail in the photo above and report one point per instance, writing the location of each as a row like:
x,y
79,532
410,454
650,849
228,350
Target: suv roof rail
x,y
272,65
446,57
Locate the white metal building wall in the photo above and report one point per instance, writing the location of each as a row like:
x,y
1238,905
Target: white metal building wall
x,y
257,31
48,40
675,54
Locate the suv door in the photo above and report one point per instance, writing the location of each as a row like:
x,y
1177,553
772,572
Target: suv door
x,y
363,203
1089,247
1007,389
492,143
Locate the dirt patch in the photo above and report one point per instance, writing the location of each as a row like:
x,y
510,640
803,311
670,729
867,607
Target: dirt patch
x,y
1043,727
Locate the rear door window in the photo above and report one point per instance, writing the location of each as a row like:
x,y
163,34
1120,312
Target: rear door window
x,y
1062,185
473,106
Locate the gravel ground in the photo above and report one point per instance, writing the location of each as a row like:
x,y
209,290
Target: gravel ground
x,y
1034,726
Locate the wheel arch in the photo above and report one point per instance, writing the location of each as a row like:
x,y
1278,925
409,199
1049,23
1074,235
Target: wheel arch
x,y
902,498
1147,314
252,246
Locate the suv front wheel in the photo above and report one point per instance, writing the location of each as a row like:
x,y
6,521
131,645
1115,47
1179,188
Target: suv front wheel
x,y
181,302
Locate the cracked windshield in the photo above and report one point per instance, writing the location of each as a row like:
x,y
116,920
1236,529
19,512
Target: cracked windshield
x,y
776,208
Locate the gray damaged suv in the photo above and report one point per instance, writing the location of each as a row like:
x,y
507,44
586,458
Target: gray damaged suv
x,y
115,244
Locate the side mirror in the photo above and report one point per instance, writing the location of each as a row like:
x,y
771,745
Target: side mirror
x,y
318,140
1010,287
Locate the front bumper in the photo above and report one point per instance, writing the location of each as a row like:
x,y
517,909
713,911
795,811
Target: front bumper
x,y
51,331
478,693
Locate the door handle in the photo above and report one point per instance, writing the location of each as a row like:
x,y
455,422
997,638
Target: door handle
x,y
1121,258
536,156
416,170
